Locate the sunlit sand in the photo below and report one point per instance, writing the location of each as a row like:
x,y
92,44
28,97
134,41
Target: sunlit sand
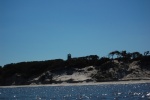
x,y
81,84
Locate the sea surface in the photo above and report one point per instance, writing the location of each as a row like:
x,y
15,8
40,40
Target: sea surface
x,y
83,92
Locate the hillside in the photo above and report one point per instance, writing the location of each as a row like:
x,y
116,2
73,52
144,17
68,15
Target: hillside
x,y
76,70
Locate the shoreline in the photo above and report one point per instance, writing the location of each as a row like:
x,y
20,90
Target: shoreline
x,y
82,84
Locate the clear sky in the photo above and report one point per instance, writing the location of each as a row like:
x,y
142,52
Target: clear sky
x,y
35,30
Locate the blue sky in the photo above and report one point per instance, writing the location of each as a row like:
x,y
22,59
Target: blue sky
x,y
34,30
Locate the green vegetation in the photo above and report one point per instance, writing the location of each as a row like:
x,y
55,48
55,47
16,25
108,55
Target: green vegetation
x,y
27,70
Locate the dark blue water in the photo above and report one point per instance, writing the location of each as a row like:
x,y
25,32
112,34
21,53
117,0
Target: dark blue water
x,y
92,92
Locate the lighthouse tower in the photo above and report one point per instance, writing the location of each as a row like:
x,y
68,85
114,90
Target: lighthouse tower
x,y
69,56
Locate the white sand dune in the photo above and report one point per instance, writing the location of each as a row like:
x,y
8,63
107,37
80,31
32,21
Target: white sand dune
x,y
83,75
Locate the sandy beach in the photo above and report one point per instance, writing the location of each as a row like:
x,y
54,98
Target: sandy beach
x,y
81,84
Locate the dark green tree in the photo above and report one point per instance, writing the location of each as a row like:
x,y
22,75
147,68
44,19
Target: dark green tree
x,y
111,54
146,53
117,53
136,55
123,54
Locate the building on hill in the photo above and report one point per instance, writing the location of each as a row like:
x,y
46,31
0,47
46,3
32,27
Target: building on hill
x,y
69,56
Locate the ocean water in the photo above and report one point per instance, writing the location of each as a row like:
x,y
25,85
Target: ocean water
x,y
87,92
